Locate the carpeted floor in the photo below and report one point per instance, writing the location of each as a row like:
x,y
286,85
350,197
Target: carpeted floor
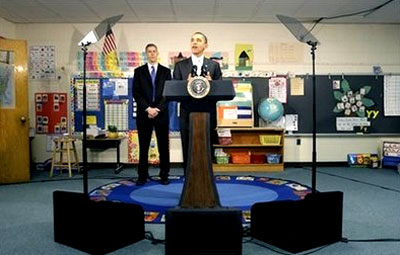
x,y
239,192
371,211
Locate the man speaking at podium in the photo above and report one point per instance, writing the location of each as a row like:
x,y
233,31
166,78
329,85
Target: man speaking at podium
x,y
199,65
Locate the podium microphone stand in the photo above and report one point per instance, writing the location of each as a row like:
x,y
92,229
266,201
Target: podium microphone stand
x,y
199,225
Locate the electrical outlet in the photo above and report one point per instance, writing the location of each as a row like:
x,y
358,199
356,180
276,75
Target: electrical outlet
x,y
298,141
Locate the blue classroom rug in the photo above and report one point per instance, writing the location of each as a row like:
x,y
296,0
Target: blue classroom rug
x,y
240,192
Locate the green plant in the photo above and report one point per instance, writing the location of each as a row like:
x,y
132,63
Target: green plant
x,y
112,128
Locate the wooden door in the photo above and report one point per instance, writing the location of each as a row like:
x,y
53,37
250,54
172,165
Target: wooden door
x,y
14,123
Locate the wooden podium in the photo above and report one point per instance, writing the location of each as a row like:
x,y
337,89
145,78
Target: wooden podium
x,y
199,190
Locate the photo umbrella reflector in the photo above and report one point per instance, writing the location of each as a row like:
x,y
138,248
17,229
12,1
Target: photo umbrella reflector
x,y
303,35
90,38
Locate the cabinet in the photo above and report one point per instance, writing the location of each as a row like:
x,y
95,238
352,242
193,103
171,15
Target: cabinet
x,y
248,140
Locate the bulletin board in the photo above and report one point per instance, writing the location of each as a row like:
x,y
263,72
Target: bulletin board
x,y
326,102
51,113
110,102
99,93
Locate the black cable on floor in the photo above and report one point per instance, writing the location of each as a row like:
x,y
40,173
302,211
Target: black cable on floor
x,y
355,180
345,240
284,253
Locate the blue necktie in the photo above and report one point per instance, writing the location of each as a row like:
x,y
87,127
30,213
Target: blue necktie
x,y
153,81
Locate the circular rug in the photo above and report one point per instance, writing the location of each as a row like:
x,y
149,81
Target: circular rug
x,y
239,192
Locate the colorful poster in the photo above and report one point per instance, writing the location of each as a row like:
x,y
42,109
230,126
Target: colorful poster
x,y
176,56
239,111
96,62
278,88
51,113
133,148
115,87
130,60
222,58
244,57
42,62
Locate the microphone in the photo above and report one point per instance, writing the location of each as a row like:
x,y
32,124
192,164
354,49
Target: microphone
x,y
204,70
194,71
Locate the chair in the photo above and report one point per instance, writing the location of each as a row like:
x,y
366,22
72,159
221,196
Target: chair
x,y
62,146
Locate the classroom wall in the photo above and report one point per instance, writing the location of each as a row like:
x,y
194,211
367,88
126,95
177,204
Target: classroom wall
x,y
7,29
348,49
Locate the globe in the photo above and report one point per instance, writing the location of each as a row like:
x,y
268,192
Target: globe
x,y
270,109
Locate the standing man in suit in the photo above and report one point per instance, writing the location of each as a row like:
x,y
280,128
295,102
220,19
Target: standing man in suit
x,y
182,71
152,112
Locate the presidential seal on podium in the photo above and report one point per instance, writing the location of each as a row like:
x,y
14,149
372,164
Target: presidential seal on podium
x,y
198,87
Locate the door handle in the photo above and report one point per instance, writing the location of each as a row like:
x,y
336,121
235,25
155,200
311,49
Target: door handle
x,y
23,119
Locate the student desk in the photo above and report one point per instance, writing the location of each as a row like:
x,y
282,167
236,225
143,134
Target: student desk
x,y
106,143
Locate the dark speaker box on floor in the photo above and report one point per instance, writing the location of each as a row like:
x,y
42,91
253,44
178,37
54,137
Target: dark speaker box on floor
x,y
203,231
300,225
95,227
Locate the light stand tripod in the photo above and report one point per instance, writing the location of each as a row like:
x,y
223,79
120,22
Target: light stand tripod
x,y
314,134
305,36
92,37
84,48
81,230
321,212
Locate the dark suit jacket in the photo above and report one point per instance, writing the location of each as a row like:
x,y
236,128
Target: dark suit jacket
x,y
143,91
181,72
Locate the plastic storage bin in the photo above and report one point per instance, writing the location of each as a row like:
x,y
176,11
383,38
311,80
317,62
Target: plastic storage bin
x,y
273,158
240,157
222,159
270,139
257,158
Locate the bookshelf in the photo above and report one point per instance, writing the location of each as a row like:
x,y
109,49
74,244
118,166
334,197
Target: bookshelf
x,y
248,140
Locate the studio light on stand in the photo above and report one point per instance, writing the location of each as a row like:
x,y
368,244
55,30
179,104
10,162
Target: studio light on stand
x,y
305,36
78,220
91,38
321,212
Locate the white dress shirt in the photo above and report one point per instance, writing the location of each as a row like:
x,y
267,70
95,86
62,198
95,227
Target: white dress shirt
x,y
150,65
198,61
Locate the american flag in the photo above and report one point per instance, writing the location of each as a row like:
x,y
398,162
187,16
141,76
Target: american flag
x,y
109,43
110,52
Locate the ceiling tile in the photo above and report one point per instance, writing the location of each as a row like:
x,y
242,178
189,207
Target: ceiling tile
x,y
154,10
83,11
71,10
236,10
110,9
193,9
